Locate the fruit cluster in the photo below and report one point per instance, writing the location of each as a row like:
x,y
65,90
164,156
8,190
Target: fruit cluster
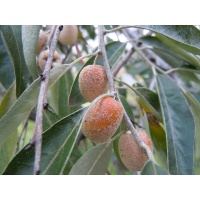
x,y
104,118
68,36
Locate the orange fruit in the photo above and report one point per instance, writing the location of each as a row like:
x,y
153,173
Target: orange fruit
x,y
93,82
132,156
102,120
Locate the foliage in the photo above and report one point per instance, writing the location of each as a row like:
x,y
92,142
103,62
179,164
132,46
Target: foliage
x,y
158,83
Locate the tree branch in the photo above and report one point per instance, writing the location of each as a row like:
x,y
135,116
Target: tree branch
x,y
37,138
112,88
123,61
117,29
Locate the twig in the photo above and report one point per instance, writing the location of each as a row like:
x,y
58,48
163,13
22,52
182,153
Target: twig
x,y
53,28
116,29
123,61
127,120
37,138
151,64
78,52
105,60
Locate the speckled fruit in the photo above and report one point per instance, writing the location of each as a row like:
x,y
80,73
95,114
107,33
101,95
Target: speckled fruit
x,y
68,35
93,82
132,156
43,36
43,56
102,120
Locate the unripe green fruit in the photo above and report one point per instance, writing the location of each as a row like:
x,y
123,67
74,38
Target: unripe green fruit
x,y
132,156
102,120
43,56
93,82
43,36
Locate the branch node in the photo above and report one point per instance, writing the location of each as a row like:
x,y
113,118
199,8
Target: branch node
x,y
61,27
43,77
46,106
37,172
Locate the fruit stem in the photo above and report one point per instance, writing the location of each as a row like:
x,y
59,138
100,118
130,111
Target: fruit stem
x,y
105,59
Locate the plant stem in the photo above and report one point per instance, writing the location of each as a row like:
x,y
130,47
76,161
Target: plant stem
x,y
123,61
37,138
117,29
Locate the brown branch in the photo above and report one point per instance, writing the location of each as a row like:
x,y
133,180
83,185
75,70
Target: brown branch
x,y
42,102
123,61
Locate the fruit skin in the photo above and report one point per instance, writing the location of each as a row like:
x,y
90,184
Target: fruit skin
x,y
43,56
132,156
102,120
68,35
93,82
43,36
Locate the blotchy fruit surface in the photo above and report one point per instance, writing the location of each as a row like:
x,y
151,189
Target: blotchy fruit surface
x,y
103,119
43,56
93,82
132,156
68,35
43,36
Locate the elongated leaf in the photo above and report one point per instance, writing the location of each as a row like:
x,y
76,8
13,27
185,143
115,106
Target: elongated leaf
x,y
187,37
179,126
60,93
7,75
93,162
152,168
57,145
49,119
13,42
8,147
195,108
114,51
30,39
25,103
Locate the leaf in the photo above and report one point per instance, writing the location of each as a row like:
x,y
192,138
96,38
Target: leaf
x,y
163,51
148,100
7,149
152,168
187,37
57,145
75,155
195,108
13,42
179,126
7,75
25,103
30,39
94,161
60,93
114,51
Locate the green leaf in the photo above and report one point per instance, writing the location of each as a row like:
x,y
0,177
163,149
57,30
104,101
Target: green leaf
x,y
149,101
75,155
163,51
94,161
13,42
114,51
179,126
195,108
57,145
30,39
25,103
7,75
59,94
187,37
7,149
152,168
